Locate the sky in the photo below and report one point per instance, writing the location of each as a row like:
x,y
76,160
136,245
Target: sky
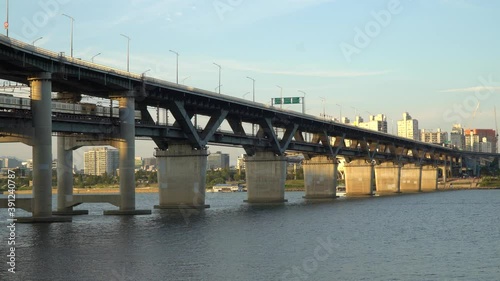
x,y
436,59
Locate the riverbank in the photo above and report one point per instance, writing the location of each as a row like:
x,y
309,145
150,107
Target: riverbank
x,y
291,185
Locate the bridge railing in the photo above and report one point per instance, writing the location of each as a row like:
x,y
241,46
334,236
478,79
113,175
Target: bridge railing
x,y
58,56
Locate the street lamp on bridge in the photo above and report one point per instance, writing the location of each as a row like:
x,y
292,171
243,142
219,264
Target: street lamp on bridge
x,y
6,24
71,39
92,59
281,96
303,102
323,101
144,73
34,41
253,99
177,66
128,51
220,70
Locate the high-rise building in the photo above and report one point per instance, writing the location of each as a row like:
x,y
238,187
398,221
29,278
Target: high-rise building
x,y
218,160
481,140
149,161
240,162
149,164
408,127
375,122
100,160
437,137
10,162
138,163
457,137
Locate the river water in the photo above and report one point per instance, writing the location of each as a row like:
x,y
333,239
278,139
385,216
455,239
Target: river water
x,y
430,236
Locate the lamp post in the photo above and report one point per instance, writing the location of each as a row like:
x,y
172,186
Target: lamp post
x,y
144,73
253,99
71,40
220,70
303,102
281,96
323,101
355,111
340,112
6,24
94,57
253,88
177,65
36,40
128,51
304,110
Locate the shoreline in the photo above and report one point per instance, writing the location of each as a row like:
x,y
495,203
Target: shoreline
x,y
116,190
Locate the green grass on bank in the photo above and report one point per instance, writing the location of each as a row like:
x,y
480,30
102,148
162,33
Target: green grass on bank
x,y
294,184
489,182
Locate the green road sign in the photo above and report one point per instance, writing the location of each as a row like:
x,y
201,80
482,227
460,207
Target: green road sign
x,y
288,100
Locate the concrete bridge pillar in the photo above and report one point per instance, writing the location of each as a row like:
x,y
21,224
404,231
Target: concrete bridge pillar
x,y
411,176
126,147
387,176
320,177
445,172
65,180
265,177
359,177
181,177
41,106
429,178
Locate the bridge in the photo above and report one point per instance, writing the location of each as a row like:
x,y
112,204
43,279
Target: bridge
x,y
392,164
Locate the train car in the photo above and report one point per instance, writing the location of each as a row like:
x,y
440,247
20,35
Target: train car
x,y
88,109
10,103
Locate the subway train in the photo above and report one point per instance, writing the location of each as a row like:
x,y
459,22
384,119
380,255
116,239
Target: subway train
x,y
9,102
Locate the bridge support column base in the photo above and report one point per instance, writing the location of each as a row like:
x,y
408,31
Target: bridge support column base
x,y
411,176
429,179
71,213
387,193
181,176
319,197
52,219
181,206
265,201
126,212
320,178
359,178
265,176
387,177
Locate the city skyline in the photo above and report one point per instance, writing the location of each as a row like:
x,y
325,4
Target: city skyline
x,y
433,59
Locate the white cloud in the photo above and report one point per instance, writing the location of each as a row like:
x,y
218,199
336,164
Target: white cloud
x,y
472,89
304,72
